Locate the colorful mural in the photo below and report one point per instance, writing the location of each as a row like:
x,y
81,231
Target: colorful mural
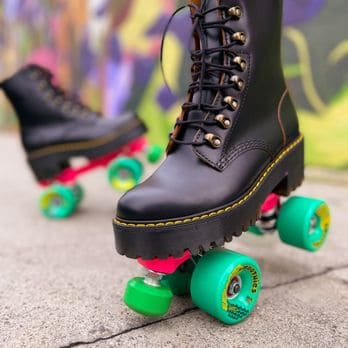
x,y
106,51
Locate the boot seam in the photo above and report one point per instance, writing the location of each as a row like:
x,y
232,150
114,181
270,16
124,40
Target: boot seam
x,y
236,151
243,148
81,145
243,99
279,116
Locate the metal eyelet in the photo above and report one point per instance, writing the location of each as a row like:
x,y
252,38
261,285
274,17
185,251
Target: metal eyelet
x,y
85,113
34,75
214,140
241,63
42,85
239,36
238,82
75,110
65,107
49,95
69,104
223,121
233,103
57,101
235,12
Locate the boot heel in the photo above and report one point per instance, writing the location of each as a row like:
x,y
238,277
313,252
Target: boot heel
x,y
294,172
46,168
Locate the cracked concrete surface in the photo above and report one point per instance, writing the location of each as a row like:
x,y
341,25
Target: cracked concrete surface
x,y
61,282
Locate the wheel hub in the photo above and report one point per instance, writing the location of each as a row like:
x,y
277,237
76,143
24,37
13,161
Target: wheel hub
x,y
234,287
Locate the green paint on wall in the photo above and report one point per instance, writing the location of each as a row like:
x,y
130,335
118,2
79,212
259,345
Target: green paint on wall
x,y
326,135
292,71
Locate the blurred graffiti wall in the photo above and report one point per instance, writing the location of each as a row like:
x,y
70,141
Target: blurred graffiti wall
x,y
106,52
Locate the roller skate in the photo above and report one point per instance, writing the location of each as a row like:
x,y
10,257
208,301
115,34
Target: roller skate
x,y
56,129
235,150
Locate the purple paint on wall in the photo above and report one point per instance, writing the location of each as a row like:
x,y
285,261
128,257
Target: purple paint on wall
x,y
143,68
166,98
299,11
87,58
181,27
114,49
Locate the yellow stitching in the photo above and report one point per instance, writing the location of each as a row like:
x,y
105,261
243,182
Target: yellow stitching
x,y
280,120
82,144
221,211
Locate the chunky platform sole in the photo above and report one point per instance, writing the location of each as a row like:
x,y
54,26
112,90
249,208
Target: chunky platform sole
x,y
161,239
49,162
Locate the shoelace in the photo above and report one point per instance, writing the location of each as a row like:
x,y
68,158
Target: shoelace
x,y
57,96
202,71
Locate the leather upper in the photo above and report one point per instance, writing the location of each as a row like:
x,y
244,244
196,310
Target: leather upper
x,y
198,178
45,120
77,130
184,185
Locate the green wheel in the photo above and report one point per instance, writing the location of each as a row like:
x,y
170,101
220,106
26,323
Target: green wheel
x,y
146,299
125,173
154,153
58,202
180,281
78,192
304,223
226,285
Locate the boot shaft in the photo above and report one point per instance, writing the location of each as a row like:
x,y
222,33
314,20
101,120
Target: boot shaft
x,y
38,101
25,90
261,21
256,26
238,81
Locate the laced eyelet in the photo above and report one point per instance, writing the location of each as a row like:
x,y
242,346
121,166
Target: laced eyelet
x,y
34,75
57,101
238,82
84,113
223,121
69,104
65,108
235,12
75,110
241,63
239,36
213,139
233,103
42,85
49,95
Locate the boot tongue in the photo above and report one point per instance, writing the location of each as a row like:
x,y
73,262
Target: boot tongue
x,y
212,38
190,132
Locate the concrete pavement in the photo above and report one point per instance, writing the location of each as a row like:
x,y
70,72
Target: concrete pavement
x,y
61,283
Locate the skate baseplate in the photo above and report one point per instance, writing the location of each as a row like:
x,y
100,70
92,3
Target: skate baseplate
x,y
63,194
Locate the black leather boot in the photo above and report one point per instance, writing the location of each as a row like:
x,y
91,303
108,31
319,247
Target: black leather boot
x,y
236,141
55,128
